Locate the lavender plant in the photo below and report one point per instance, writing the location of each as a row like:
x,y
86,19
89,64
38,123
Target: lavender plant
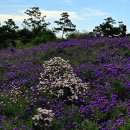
x,y
103,62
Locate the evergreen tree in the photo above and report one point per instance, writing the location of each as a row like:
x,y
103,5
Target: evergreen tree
x,y
65,24
107,28
36,22
123,29
8,34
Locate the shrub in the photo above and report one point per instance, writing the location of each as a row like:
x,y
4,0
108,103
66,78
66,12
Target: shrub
x,y
72,35
82,35
59,80
45,37
25,36
42,119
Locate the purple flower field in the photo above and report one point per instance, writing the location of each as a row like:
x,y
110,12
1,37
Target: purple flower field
x,y
102,63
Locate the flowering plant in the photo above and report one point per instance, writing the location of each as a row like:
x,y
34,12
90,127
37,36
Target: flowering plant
x,y
42,119
59,80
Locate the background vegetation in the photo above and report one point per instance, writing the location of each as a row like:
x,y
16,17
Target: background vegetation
x,y
35,30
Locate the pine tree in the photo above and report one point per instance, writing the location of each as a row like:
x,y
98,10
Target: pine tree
x,y
36,22
65,24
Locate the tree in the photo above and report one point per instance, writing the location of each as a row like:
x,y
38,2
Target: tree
x,y
36,22
123,28
45,37
25,36
97,30
11,24
65,24
107,28
8,34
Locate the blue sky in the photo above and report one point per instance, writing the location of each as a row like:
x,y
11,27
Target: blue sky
x,y
85,14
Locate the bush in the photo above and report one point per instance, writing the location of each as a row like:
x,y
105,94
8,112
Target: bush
x,y
43,119
77,34
20,45
59,81
45,37
25,36
73,35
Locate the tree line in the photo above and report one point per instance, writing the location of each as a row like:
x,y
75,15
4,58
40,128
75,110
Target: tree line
x,y
35,30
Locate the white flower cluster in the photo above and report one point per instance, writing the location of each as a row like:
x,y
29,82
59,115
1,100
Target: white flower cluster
x,y
14,94
43,118
60,81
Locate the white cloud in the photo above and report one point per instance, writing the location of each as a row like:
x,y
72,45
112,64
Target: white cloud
x,y
4,17
67,1
56,15
50,15
89,12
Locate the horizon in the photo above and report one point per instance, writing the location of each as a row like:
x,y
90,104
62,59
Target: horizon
x,y
84,14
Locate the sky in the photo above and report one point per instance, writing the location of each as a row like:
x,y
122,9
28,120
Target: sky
x,y
85,14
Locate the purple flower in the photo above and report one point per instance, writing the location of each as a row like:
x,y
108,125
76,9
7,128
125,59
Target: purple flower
x,y
129,111
2,117
23,127
15,129
120,122
120,115
74,123
114,128
105,129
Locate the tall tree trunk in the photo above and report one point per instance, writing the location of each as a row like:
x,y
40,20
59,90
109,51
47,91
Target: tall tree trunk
x,y
62,34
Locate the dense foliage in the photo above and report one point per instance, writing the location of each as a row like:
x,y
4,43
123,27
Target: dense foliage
x,y
35,30
102,63
107,28
8,34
